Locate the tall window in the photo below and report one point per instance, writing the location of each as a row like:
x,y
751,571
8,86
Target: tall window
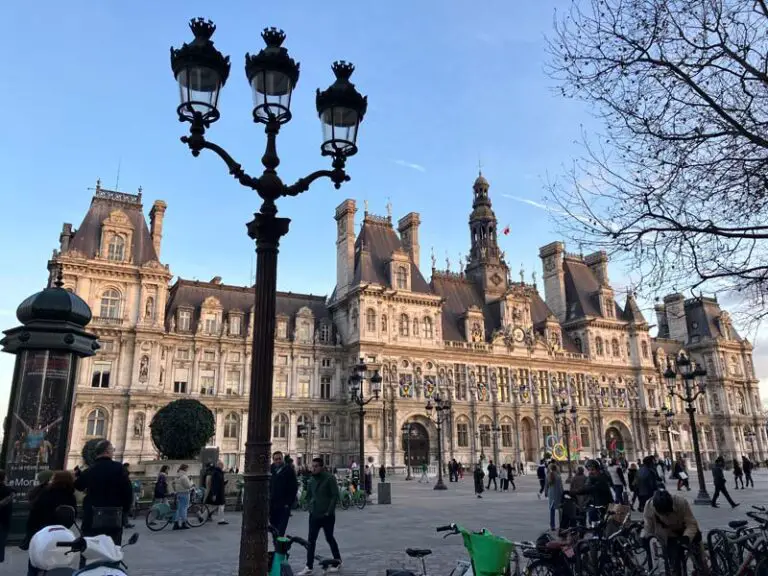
x,y
615,348
325,427
280,387
577,343
304,388
402,278
304,331
96,424
383,323
584,434
231,426
415,326
100,376
354,319
325,387
404,325
428,332
116,249
280,426
546,432
324,333
599,346
233,382
180,379
370,320
303,425
210,324
207,382
234,325
282,329
506,435
485,435
462,434
110,304
185,320
182,353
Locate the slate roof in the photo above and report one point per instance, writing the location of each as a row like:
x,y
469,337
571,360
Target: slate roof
x,y
702,317
87,237
192,293
373,251
632,311
580,287
459,293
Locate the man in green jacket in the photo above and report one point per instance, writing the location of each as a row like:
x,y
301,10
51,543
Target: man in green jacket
x,y
323,493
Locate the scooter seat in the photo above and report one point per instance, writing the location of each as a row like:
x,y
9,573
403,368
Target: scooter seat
x,y
418,552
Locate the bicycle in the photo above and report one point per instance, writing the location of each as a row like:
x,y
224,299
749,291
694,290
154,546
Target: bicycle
x,y
198,512
736,552
161,514
278,559
353,496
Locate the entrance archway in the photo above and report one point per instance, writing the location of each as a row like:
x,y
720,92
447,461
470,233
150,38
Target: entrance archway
x,y
618,441
528,446
419,445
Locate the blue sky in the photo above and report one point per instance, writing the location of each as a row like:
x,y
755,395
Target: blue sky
x,y
450,83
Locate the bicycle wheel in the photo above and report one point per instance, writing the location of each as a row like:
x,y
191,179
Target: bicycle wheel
x,y
345,500
157,519
197,515
541,568
362,500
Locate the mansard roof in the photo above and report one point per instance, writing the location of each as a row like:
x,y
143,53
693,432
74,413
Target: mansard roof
x,y
459,294
374,246
87,238
192,294
632,311
703,320
581,286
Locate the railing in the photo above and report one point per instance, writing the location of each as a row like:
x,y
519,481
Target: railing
x,y
108,320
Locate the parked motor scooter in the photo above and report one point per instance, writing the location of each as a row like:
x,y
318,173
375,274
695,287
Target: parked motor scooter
x,y
55,550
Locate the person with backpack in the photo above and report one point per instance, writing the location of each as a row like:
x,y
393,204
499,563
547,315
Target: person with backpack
x,y
541,474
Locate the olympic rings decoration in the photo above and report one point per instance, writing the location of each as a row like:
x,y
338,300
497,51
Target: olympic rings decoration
x,y
558,449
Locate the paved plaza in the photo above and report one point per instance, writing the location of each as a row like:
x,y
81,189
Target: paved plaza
x,y
373,539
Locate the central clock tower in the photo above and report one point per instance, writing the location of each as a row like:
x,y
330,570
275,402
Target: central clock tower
x,y
486,262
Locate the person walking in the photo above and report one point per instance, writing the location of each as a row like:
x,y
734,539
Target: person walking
x,y
541,474
578,482
647,482
503,478
183,489
632,483
424,476
511,476
215,491
382,473
6,509
108,495
681,474
323,497
478,477
554,493
493,473
738,474
161,485
746,464
618,481
283,487
718,477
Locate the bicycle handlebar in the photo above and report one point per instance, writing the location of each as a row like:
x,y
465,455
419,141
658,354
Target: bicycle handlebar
x,y
760,508
446,528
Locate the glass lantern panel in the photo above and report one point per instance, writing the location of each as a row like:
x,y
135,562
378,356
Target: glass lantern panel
x,y
199,88
339,129
271,94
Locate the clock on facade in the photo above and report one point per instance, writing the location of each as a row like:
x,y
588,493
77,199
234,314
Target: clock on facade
x,y
518,334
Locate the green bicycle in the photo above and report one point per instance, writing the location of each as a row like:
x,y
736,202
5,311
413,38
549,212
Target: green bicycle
x,y
353,496
278,559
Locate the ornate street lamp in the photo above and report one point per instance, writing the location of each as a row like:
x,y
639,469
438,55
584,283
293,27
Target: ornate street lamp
x,y
666,418
442,408
595,395
357,396
201,71
750,436
566,418
495,432
407,437
306,431
654,438
695,385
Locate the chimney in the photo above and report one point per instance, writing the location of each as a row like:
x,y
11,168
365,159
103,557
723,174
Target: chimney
x,y
345,246
661,320
215,280
676,320
408,226
156,215
65,237
598,264
554,278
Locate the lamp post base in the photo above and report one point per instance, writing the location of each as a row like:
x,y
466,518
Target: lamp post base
x,y
440,485
703,498
409,477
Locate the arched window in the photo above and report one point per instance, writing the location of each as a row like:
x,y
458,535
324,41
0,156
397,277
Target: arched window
x,y
231,426
644,349
428,333
110,304
370,320
116,249
404,325
383,323
577,343
615,348
96,424
415,326
149,309
402,278
304,425
324,332
599,346
280,426
325,427
354,319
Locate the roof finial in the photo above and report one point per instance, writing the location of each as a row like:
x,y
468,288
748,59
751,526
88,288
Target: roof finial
x,y
533,278
59,283
98,184
434,260
447,263
389,208
479,166
461,261
365,207
140,189
522,274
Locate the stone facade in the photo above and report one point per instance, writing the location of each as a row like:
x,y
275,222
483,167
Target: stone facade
x,y
504,354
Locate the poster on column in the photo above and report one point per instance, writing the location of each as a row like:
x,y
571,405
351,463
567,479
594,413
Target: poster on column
x,y
37,425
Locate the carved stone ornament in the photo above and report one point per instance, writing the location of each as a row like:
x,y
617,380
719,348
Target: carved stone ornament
x,y
144,368
496,279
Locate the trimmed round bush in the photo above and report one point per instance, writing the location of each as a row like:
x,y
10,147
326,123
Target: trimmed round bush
x,y
89,451
181,429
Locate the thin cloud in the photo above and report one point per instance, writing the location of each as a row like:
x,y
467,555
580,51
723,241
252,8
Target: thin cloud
x,y
411,165
533,203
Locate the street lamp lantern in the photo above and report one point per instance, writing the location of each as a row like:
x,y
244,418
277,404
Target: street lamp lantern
x,y
376,384
201,71
341,109
273,75
441,407
406,429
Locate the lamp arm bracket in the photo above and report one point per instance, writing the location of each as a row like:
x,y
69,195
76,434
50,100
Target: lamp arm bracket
x,y
198,142
338,176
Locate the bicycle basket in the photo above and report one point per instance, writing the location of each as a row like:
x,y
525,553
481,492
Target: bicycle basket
x,y
489,553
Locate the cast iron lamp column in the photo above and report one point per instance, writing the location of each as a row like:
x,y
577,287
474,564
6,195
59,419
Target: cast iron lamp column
x,y
693,375
357,396
407,437
495,431
201,71
306,430
666,417
750,436
653,437
442,409
563,416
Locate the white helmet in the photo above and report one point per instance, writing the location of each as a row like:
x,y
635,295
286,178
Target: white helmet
x,y
45,555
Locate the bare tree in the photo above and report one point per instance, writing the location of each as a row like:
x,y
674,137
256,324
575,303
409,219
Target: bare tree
x,y
677,185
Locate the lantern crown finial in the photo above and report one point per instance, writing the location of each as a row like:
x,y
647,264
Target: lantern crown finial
x,y
202,28
273,37
342,69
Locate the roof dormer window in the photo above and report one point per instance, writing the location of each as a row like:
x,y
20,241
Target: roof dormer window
x,y
116,248
402,278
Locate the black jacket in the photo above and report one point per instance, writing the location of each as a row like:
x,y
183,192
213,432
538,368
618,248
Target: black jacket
x,y
42,512
647,481
598,488
106,486
6,508
216,494
283,486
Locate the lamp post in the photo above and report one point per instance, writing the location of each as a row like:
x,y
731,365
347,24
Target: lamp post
x,y
441,407
306,430
597,402
201,71
566,418
665,418
407,437
357,395
479,437
693,377
652,435
750,436
495,431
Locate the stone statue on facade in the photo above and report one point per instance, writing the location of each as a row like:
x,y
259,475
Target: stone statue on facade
x,y
144,369
172,324
138,426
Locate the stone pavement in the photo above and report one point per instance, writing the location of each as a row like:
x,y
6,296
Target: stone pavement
x,y
373,539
